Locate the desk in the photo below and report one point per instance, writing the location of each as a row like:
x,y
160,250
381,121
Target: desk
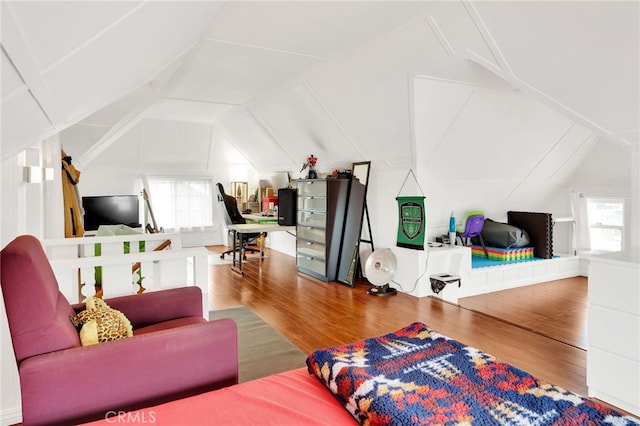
x,y
249,228
257,218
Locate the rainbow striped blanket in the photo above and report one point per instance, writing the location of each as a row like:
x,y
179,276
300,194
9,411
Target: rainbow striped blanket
x,y
417,376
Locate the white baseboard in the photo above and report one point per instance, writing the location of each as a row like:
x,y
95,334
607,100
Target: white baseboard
x,y
10,416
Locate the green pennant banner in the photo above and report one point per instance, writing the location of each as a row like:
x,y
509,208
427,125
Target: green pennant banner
x,y
411,222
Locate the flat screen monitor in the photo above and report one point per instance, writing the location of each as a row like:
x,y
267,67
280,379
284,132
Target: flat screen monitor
x,y
111,210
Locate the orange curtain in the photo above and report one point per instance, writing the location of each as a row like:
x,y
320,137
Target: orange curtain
x,y
73,226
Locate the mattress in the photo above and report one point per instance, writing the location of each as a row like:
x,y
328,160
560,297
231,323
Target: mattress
x,y
292,397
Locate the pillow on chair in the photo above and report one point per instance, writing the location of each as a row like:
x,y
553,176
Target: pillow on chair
x,y
100,323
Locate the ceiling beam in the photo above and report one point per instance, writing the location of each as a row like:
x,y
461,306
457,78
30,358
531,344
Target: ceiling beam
x,y
505,72
22,59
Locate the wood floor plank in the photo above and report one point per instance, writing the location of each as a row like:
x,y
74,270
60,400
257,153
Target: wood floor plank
x,y
313,314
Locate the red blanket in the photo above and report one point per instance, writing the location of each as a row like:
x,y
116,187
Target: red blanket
x,y
291,398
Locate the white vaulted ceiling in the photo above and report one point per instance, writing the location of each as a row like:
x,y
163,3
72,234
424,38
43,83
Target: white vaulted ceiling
x,y
173,83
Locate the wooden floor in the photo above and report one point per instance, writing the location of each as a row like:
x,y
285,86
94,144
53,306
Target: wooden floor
x,y
556,309
313,314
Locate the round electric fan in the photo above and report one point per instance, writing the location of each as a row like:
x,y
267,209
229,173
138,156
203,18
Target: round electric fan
x,y
379,269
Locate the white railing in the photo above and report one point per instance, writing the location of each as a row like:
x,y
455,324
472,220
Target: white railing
x,y
86,265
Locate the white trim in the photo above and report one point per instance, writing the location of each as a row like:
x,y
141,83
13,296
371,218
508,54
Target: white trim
x,y
11,415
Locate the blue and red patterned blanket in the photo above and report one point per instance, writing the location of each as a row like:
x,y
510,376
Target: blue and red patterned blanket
x,y
418,376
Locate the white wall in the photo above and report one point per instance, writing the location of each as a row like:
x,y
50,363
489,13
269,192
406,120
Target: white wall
x,y
468,148
384,186
634,205
25,208
609,170
489,149
12,225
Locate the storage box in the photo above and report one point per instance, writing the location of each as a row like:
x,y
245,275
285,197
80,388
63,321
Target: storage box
x,y
269,203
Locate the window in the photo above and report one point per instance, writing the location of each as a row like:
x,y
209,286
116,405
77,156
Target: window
x,y
182,203
606,223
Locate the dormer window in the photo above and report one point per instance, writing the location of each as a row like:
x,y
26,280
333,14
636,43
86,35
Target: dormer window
x,y
606,223
182,202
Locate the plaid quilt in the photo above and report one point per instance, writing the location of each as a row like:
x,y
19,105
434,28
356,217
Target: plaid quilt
x,y
417,376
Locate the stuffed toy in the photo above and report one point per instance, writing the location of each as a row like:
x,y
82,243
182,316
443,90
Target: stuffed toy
x,y
311,164
100,323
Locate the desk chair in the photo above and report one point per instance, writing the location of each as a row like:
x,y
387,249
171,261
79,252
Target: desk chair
x,y
232,216
473,224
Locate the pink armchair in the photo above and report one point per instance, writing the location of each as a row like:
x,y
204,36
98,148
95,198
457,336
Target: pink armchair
x,y
173,353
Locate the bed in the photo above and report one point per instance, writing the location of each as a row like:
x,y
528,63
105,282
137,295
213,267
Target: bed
x,y
291,398
411,376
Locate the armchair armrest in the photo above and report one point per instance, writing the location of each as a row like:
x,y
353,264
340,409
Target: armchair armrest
x,y
86,383
157,306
